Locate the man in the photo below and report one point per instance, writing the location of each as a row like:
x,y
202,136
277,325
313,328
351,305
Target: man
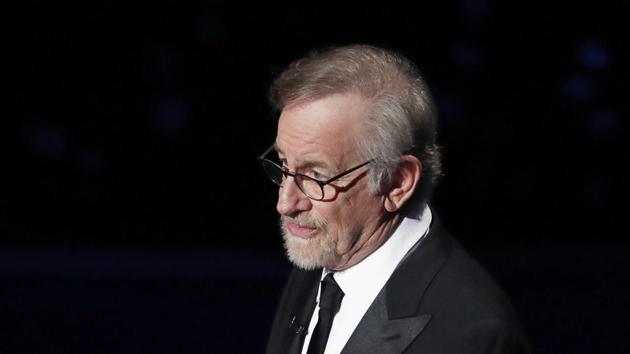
x,y
374,272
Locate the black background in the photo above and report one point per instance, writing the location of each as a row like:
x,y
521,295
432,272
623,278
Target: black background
x,y
133,132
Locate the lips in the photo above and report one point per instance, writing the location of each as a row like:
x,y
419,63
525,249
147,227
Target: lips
x,y
301,230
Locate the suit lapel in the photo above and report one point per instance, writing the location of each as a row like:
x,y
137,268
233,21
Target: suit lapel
x,y
300,310
377,333
394,319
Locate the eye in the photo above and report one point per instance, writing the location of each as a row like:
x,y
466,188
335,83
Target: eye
x,y
316,175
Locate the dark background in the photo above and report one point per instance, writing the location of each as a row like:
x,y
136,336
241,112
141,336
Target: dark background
x,y
134,217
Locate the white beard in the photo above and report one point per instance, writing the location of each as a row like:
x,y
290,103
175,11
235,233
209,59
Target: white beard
x,y
311,253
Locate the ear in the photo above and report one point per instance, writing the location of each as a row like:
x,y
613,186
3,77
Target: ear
x,y
404,184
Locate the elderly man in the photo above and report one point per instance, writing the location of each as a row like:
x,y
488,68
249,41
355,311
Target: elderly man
x,y
356,160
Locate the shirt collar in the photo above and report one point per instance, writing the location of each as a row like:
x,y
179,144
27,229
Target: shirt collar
x,y
370,275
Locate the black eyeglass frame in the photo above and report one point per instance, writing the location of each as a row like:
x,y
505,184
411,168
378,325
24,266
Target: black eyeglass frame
x,y
286,173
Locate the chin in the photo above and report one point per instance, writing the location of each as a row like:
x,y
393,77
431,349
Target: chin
x,y
308,254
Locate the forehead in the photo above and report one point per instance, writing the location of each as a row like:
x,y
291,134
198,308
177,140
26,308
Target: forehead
x,y
325,129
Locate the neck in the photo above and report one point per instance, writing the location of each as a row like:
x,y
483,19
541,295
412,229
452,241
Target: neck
x,y
365,246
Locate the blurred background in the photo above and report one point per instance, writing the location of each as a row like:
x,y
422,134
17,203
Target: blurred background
x,y
134,217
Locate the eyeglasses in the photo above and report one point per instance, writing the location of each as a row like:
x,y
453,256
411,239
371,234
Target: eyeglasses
x,y
311,187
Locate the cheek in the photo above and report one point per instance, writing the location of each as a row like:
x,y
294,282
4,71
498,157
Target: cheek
x,y
364,211
333,217
345,224
348,218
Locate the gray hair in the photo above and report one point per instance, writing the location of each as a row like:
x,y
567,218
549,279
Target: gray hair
x,y
401,118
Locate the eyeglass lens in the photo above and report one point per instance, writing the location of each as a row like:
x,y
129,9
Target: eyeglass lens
x,y
310,187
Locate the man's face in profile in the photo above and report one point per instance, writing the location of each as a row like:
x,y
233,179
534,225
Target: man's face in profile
x,y
318,138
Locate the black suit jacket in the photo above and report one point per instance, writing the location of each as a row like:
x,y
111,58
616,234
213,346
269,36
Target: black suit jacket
x,y
438,300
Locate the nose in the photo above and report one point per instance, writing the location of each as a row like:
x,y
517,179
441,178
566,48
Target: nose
x,y
291,200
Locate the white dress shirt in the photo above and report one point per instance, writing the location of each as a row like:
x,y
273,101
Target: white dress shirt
x,y
362,282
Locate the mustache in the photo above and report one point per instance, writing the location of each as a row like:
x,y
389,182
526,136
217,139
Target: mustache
x,y
314,221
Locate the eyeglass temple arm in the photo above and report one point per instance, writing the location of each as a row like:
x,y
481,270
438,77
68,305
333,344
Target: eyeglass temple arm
x,y
344,173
